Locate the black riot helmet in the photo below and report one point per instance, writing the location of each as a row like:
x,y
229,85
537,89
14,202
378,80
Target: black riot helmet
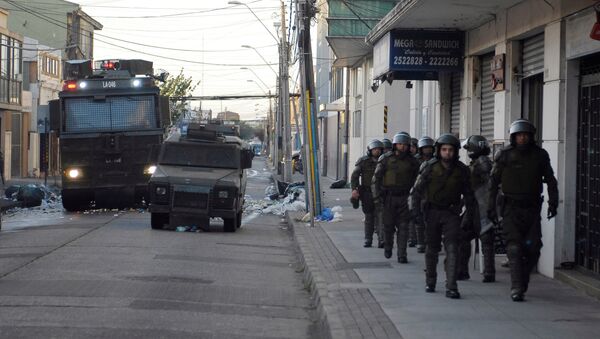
x,y
425,142
387,143
374,144
476,146
521,126
402,138
447,139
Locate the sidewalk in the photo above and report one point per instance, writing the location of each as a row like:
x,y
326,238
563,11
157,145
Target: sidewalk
x,y
360,294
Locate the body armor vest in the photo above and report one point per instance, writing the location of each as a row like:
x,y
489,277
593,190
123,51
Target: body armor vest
x,y
368,169
445,185
522,172
399,173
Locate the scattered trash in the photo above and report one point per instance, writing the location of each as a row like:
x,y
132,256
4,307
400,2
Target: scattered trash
x,y
335,209
30,195
326,215
271,192
182,228
11,191
339,184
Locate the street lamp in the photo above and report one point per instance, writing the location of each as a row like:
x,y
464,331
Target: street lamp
x,y
283,77
259,86
257,77
256,16
262,57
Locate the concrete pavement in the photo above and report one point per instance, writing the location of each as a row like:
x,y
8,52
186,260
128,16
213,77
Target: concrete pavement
x,y
552,309
109,275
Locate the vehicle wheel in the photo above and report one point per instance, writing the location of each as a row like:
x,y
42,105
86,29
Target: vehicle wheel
x,y
71,202
158,220
239,220
229,224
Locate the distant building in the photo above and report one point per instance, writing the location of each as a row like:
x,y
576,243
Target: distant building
x,y
227,115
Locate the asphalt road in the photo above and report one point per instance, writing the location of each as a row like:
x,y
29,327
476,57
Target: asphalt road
x,y
108,275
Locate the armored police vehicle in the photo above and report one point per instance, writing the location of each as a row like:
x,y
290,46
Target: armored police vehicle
x,y
199,176
110,120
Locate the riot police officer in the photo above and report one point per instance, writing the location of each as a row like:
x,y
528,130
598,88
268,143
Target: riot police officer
x,y
480,226
394,176
417,232
413,146
361,187
520,169
387,145
436,195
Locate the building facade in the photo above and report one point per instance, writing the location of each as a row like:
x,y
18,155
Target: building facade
x,y
13,120
521,59
53,31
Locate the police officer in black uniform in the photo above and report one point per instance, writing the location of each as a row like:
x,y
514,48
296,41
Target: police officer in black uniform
x,y
394,176
521,169
436,195
424,153
361,188
387,145
479,226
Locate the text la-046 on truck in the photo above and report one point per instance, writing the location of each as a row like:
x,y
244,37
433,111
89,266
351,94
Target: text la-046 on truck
x,y
199,176
110,120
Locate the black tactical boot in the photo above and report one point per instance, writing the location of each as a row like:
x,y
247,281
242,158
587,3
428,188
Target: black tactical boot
x,y
402,260
368,243
463,276
380,244
420,248
387,253
489,278
430,288
452,294
517,295
412,243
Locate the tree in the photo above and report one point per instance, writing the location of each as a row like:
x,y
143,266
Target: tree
x,y
178,86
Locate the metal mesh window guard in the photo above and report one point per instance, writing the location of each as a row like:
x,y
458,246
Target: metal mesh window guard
x,y
116,113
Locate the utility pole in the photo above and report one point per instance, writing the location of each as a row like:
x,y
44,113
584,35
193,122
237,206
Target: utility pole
x,y
285,100
305,11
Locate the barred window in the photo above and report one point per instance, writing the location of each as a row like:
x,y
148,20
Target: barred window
x,y
117,113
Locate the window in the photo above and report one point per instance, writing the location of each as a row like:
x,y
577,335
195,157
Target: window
x,y
358,82
10,70
50,65
356,123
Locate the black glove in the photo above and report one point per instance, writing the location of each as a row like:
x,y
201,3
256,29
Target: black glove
x,y
551,212
492,214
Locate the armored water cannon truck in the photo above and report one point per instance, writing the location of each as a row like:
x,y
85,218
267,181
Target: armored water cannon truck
x,y
111,120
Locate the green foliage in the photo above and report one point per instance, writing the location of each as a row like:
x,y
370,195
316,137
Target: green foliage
x,y
178,86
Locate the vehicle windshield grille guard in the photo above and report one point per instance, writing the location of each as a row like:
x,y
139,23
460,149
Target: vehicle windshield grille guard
x,y
195,155
115,113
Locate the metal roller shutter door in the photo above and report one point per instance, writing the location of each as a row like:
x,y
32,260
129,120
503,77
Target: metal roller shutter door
x,y
533,55
487,98
455,101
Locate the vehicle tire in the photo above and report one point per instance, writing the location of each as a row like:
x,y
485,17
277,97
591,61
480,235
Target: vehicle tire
x,y
72,202
229,224
239,220
158,220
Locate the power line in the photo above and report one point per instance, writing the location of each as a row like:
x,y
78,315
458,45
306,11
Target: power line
x,y
60,24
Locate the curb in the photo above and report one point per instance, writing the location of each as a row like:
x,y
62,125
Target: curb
x,y
328,324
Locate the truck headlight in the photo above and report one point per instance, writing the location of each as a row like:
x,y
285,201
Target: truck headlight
x,y
74,173
223,194
150,169
161,190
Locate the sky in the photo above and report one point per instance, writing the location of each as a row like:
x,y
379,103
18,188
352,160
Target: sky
x,y
206,37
